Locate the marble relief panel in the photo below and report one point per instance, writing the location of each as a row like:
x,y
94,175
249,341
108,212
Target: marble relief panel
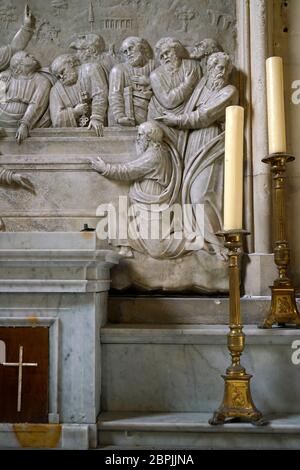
x,y
164,70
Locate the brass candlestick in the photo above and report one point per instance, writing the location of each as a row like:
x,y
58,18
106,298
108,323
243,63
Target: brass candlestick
x,y
283,304
237,401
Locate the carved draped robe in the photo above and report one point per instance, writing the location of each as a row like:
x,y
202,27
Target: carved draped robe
x,y
127,99
203,164
24,100
171,92
63,99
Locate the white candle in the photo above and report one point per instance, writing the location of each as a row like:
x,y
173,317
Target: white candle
x,y
233,178
275,101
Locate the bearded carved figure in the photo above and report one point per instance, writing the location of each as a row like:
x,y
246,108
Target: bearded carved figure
x,y
25,96
79,97
129,85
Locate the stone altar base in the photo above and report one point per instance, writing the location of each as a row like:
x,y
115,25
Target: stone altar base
x,y
58,281
161,383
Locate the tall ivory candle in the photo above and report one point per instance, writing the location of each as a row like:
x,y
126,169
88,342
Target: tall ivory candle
x,y
275,100
233,178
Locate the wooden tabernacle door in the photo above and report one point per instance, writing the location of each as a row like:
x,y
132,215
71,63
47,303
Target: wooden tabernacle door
x,y
24,368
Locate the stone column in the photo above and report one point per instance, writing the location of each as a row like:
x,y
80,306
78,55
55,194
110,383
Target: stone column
x,y
260,270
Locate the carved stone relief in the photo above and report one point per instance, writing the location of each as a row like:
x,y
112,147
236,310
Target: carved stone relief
x,y
184,167
129,84
7,14
115,20
11,178
59,6
108,63
128,75
26,96
79,97
47,33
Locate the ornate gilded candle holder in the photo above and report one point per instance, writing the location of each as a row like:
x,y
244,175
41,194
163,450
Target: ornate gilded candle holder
x,y
283,304
237,401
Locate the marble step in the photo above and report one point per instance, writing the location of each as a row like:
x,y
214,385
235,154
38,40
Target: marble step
x,y
178,368
153,309
192,431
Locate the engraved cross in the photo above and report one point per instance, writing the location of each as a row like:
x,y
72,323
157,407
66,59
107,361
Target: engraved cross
x,y
20,365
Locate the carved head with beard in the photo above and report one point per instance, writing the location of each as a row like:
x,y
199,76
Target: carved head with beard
x,y
89,47
149,135
171,52
203,50
219,67
136,51
64,67
24,64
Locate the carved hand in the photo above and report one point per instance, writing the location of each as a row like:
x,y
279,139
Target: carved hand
x,y
98,164
29,19
169,119
97,126
125,121
22,133
191,78
80,109
140,80
22,181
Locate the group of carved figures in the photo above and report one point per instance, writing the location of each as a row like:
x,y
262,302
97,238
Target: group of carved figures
x,y
177,99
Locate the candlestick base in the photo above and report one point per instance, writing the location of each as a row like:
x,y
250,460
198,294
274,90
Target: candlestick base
x,y
283,309
237,402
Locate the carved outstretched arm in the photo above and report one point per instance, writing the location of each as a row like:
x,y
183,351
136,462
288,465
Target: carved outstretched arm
x,y
131,171
25,33
125,172
21,39
209,113
8,177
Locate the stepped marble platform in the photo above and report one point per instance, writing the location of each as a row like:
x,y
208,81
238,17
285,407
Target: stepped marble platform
x,y
193,309
192,431
161,383
177,368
